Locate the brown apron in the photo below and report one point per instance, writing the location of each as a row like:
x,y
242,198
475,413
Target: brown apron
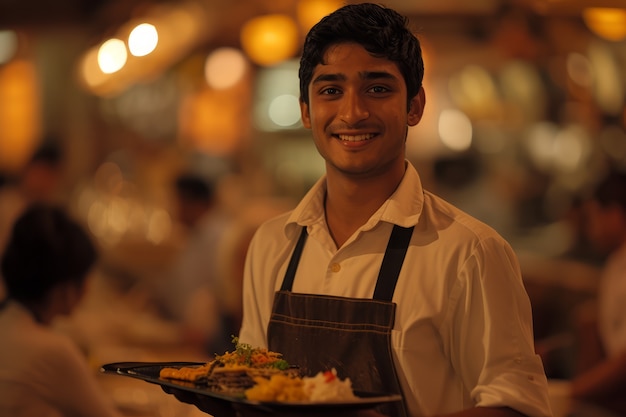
x,y
352,335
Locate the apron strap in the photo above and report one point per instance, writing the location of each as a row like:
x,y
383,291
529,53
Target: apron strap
x,y
290,275
392,262
389,270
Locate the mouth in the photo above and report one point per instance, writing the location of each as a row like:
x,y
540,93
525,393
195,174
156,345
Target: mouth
x,y
356,138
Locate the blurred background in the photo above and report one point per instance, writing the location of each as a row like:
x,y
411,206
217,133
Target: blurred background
x,y
525,111
525,102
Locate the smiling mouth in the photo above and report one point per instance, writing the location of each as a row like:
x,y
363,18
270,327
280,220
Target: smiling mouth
x,y
356,138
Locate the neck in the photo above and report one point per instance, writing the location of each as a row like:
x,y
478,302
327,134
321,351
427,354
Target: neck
x,y
351,202
40,312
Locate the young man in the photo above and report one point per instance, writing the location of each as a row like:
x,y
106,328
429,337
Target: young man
x,y
374,276
392,286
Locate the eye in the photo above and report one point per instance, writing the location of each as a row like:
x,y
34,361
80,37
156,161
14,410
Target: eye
x,y
379,89
330,91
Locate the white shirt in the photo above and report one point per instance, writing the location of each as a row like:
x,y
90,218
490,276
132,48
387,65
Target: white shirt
x,y
43,373
611,301
463,330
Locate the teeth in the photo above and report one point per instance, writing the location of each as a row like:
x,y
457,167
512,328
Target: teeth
x,y
356,138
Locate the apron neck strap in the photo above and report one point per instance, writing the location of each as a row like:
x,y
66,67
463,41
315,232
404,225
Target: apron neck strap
x,y
290,275
392,262
389,270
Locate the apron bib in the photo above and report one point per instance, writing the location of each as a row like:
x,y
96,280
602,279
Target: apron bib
x,y
352,335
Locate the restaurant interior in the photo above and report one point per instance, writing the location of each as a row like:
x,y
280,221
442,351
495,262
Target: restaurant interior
x,y
525,112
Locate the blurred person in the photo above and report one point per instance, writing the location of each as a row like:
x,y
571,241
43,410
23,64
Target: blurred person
x,y
370,273
600,384
45,266
190,292
37,181
233,249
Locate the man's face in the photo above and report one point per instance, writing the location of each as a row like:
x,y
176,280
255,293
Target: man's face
x,y
357,111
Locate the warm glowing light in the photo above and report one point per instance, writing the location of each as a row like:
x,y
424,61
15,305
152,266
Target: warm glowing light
x,y
473,89
310,12
455,130
8,45
276,104
90,71
143,39
159,227
270,39
166,33
225,67
20,114
284,110
555,149
608,23
112,56
608,78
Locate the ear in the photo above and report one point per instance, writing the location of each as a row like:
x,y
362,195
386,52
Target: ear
x,y
416,107
305,114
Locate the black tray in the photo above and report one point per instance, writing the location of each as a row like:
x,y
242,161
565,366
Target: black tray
x,y
149,372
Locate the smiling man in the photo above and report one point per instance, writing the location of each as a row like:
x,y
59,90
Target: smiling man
x,y
373,275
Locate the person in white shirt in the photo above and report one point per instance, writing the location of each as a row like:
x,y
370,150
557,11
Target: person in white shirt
x,y
43,373
373,275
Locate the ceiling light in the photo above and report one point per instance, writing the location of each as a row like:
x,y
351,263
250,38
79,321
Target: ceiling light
x,y
608,23
270,39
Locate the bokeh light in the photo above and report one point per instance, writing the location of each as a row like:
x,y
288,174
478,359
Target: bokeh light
x,y
455,130
270,39
309,12
143,39
112,56
284,110
608,23
225,67
8,45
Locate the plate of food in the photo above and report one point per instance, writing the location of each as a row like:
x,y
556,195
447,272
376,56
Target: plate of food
x,y
254,377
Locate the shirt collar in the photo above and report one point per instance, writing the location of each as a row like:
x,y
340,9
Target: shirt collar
x,y
403,207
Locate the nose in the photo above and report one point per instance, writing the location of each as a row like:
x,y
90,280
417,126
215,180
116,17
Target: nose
x,y
353,108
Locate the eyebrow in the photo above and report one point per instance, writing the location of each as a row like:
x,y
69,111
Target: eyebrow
x,y
365,75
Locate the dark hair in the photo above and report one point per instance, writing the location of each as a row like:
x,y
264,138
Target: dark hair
x,y
193,187
381,31
46,248
612,190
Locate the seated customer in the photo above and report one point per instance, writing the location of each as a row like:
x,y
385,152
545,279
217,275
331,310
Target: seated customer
x,y
42,373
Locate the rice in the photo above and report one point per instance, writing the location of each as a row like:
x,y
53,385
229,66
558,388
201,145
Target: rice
x,y
327,387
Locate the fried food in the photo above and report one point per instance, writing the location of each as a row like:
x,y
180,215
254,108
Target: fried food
x,y
194,374
233,372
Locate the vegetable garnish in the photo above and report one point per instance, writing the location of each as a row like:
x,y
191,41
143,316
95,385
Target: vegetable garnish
x,y
254,357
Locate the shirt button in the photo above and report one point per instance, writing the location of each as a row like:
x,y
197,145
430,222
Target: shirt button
x,y
335,267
